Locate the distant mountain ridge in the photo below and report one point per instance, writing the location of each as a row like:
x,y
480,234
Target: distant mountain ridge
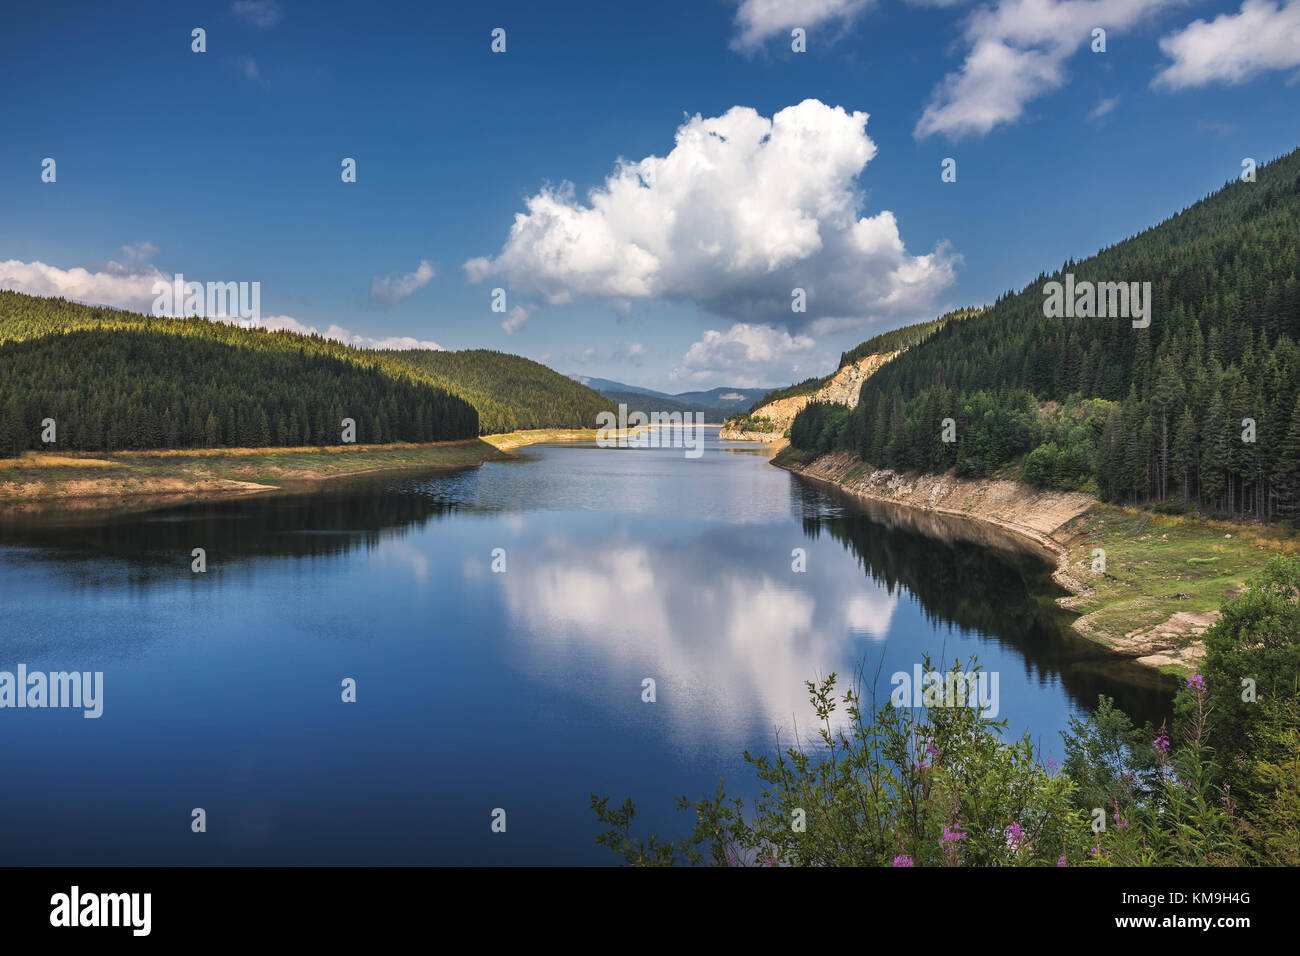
x,y
723,399
649,404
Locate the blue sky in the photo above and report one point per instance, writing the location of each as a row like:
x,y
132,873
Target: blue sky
x,y
225,165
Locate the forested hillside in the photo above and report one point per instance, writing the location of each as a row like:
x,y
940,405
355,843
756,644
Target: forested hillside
x,y
28,317
115,380
509,391
1157,414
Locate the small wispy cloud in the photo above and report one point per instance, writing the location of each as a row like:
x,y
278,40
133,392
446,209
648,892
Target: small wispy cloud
x,y
1217,127
260,13
389,289
757,21
1017,51
140,251
247,67
516,319
1103,108
135,261
634,353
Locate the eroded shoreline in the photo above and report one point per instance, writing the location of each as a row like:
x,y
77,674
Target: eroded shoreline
x,y
1146,587
96,481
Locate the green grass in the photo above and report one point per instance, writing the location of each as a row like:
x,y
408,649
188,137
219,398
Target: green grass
x,y
1159,565
1156,565
748,423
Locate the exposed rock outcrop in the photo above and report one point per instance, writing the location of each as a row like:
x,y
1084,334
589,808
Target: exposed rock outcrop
x,y
842,388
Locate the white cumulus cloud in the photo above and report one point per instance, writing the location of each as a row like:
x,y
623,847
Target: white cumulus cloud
x,y
131,287
749,355
120,286
742,211
1233,47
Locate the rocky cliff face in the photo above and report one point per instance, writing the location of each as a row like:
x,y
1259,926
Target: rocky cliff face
x,y
843,388
780,413
845,384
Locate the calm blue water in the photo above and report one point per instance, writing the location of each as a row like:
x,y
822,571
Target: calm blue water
x,y
478,690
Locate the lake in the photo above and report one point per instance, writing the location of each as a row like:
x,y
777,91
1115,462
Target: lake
x,y
477,688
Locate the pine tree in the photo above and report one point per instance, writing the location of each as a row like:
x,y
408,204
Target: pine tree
x,y
1287,473
1214,451
1184,452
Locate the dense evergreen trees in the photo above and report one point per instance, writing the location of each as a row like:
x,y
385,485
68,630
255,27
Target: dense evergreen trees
x,y
126,390
120,380
1161,414
820,427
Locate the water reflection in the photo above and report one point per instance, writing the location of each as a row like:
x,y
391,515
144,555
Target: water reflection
x,y
477,688
717,618
980,579
341,517
704,593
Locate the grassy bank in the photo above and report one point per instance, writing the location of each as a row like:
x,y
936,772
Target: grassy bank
x,y
95,479
1164,578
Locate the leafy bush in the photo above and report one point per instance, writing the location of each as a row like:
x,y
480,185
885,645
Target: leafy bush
x,y
1255,647
938,786
886,786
